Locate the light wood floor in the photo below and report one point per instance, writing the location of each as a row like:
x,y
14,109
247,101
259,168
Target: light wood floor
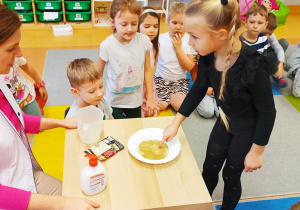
x,y
34,44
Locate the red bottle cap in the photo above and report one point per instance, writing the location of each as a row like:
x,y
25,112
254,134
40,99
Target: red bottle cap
x,y
93,160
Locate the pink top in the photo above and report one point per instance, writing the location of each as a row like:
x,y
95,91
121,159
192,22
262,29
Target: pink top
x,y
13,198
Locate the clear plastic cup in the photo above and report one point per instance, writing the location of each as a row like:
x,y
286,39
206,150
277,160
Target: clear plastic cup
x,y
89,123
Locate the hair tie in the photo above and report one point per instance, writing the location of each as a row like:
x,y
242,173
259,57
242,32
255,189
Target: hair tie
x,y
224,2
147,11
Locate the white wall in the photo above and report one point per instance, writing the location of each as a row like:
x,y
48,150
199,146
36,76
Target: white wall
x,y
291,2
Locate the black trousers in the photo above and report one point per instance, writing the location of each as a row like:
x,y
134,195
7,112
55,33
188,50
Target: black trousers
x,y
230,147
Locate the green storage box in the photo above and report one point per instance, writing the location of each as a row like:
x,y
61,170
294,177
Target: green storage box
x,y
48,5
40,16
26,16
78,5
78,16
18,5
281,14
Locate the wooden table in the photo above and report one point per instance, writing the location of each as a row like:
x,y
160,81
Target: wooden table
x,y
132,184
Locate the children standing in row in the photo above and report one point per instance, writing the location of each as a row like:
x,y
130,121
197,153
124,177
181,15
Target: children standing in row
x,y
86,84
126,55
175,58
239,76
149,23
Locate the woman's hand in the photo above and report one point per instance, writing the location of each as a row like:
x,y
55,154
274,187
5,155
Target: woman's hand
x,y
80,204
43,92
70,123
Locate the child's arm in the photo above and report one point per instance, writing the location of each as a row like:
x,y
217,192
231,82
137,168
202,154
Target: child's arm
x,y
280,54
186,61
151,104
101,63
30,71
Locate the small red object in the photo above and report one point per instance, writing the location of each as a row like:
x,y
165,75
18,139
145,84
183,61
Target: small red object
x,y
41,84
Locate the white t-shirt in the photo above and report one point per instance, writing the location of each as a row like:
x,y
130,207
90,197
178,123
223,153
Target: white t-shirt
x,y
125,69
168,66
104,106
22,89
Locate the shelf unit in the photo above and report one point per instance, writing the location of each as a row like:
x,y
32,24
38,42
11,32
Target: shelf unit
x,y
37,25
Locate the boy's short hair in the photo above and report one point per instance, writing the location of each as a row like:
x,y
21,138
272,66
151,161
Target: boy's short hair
x,y
82,70
257,9
272,22
175,8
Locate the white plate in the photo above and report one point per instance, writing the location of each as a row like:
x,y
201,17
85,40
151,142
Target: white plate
x,y
152,134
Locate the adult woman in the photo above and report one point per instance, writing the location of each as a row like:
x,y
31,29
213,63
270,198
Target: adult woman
x,y
21,177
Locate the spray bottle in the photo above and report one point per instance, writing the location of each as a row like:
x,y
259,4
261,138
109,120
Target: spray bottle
x,y
93,176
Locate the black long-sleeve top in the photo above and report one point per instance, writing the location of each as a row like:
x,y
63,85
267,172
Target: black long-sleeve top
x,y
248,99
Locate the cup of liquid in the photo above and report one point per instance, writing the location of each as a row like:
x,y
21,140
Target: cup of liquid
x,y
89,123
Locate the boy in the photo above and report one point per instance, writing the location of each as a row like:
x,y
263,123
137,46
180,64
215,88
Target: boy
x,y
175,58
279,48
87,85
256,22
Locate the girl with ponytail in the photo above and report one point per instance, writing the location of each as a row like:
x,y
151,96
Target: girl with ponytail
x,y
240,77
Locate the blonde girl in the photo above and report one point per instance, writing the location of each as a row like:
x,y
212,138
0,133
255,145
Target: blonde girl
x,y
149,23
126,54
239,76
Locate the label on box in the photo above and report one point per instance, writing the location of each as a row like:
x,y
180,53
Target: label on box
x,y
105,149
77,7
78,18
48,4
49,8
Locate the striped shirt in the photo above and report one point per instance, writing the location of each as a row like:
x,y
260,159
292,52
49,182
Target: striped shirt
x,y
261,44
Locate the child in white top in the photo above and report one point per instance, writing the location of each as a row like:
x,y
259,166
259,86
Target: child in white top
x,y
22,89
175,58
126,54
86,83
149,24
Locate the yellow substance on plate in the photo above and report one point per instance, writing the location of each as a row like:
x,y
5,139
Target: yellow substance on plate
x,y
149,150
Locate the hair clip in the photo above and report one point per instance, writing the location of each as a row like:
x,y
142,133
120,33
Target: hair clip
x,y
224,2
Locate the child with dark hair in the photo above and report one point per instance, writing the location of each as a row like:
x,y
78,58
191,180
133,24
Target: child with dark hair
x,y
149,23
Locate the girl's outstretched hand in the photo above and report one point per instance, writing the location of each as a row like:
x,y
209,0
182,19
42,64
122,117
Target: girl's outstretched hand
x,y
169,133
